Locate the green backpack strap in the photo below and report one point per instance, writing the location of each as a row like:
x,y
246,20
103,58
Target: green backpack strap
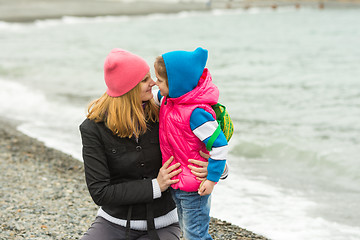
x,y
213,137
219,114
224,124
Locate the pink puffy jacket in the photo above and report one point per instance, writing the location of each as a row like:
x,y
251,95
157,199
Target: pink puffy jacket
x,y
176,137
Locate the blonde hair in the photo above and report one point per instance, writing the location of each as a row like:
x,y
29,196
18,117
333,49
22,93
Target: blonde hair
x,y
160,67
125,116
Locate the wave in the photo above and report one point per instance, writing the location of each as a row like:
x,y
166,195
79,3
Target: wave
x,y
53,123
274,212
302,163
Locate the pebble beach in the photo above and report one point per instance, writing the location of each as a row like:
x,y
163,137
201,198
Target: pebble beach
x,y
44,194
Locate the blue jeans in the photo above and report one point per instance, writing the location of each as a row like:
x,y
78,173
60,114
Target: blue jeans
x,y
193,211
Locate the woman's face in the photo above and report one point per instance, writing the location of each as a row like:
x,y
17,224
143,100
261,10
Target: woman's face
x,y
146,88
161,83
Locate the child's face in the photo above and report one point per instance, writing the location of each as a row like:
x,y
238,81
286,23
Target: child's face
x,y
161,83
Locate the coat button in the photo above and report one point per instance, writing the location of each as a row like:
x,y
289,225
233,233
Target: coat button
x,y
138,148
142,164
113,150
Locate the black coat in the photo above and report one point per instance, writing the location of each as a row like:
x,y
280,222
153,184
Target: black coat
x,y
119,171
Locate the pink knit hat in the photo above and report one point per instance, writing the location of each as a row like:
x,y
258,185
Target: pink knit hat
x,y
123,70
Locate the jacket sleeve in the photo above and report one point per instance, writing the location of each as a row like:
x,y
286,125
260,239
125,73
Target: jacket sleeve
x,y
203,126
97,174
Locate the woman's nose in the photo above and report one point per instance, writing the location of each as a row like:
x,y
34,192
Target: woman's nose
x,y
152,83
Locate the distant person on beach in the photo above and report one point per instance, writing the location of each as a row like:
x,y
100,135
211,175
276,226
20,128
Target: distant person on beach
x,y
187,121
122,158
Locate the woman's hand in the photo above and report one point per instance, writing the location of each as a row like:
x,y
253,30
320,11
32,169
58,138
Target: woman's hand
x,y
201,171
166,173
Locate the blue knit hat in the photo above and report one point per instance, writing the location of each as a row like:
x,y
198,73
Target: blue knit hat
x,y
184,70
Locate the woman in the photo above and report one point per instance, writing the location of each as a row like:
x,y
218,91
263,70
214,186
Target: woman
x,y
122,157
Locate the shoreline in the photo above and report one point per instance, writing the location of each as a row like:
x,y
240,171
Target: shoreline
x,y
22,11
28,11
44,194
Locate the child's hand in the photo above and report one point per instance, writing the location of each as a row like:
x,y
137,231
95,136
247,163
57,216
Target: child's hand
x,y
206,187
201,171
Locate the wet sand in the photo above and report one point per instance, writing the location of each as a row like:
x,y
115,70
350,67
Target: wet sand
x,y
30,10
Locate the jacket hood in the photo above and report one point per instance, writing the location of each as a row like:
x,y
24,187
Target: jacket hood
x,y
184,70
205,92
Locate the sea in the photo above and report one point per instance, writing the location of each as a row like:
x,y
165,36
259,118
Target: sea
x,y
290,79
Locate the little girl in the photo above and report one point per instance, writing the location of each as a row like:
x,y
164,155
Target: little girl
x,y
187,121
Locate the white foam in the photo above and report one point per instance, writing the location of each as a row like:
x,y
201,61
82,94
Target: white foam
x,y
11,26
273,212
54,124
69,20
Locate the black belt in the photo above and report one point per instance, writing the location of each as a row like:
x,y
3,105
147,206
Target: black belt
x,y
128,223
150,223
